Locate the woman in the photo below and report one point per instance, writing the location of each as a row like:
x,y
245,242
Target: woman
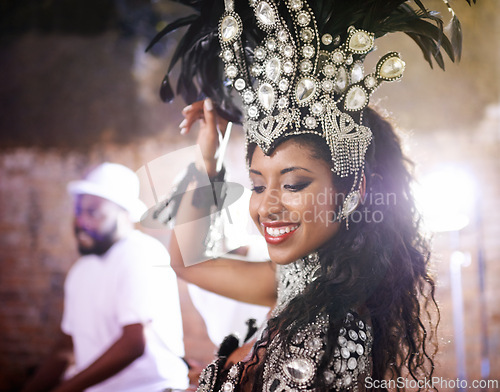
x,y
348,278
365,289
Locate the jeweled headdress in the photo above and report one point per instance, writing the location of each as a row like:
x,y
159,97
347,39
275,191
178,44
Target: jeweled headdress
x,y
298,65
300,82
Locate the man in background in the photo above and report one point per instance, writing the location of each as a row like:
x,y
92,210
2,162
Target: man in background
x,y
122,318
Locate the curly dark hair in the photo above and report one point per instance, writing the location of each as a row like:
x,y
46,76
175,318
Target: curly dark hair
x,y
379,264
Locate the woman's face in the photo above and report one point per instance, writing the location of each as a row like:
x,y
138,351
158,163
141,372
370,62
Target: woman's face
x,y
293,201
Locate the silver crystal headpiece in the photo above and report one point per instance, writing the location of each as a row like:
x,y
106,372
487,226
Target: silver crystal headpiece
x,y
298,82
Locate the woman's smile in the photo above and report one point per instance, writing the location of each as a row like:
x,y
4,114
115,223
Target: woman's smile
x,y
276,232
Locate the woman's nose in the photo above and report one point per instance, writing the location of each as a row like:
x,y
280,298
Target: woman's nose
x,y
270,206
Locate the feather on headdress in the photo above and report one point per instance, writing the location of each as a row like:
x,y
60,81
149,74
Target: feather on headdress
x,y
202,72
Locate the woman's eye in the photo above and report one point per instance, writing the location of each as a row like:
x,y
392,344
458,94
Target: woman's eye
x,y
257,189
297,187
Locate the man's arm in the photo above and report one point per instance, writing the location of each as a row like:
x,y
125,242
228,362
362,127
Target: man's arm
x,y
50,372
121,354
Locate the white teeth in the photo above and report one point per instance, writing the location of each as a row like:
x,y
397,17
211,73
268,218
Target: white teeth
x,y
276,232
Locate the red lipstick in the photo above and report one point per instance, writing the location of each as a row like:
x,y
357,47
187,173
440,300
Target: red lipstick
x,y
272,233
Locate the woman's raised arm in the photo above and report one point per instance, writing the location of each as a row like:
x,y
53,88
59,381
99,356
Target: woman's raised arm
x,y
244,281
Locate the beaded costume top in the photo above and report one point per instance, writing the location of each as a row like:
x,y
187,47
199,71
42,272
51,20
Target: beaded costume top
x,y
294,368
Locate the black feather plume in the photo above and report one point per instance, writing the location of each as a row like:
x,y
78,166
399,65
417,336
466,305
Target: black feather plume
x,y
202,71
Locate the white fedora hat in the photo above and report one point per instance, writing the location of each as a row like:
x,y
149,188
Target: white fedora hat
x,y
115,183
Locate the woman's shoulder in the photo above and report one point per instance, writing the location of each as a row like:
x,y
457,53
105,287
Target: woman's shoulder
x,y
298,365
351,360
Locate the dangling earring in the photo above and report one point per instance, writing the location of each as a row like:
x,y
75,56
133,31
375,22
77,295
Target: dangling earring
x,y
353,198
350,204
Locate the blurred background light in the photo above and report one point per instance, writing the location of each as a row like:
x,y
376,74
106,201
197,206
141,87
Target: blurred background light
x,y
446,198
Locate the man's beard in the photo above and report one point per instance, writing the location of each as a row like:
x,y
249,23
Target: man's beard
x,y
101,242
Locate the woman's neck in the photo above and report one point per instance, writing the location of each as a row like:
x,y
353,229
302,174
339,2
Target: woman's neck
x,y
293,279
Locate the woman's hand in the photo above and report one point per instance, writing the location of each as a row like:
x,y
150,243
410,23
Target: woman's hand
x,y
208,136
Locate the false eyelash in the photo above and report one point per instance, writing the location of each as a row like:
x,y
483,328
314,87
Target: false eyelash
x,y
297,187
257,189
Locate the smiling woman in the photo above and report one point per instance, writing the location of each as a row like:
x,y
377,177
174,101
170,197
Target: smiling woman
x,y
361,286
348,277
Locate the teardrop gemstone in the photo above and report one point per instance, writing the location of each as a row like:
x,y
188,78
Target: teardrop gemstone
x,y
356,72
266,96
229,28
360,42
391,68
341,80
351,204
273,69
265,13
305,90
356,98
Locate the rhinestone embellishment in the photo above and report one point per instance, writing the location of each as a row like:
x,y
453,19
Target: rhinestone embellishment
x,y
227,55
350,204
305,90
296,4
390,67
260,53
266,96
299,370
329,70
308,51
294,368
231,71
273,69
357,72
239,84
288,67
288,51
283,84
327,39
341,80
360,42
283,35
265,13
370,82
253,111
230,28
356,98
310,122
307,35
305,66
303,18
282,103
248,96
